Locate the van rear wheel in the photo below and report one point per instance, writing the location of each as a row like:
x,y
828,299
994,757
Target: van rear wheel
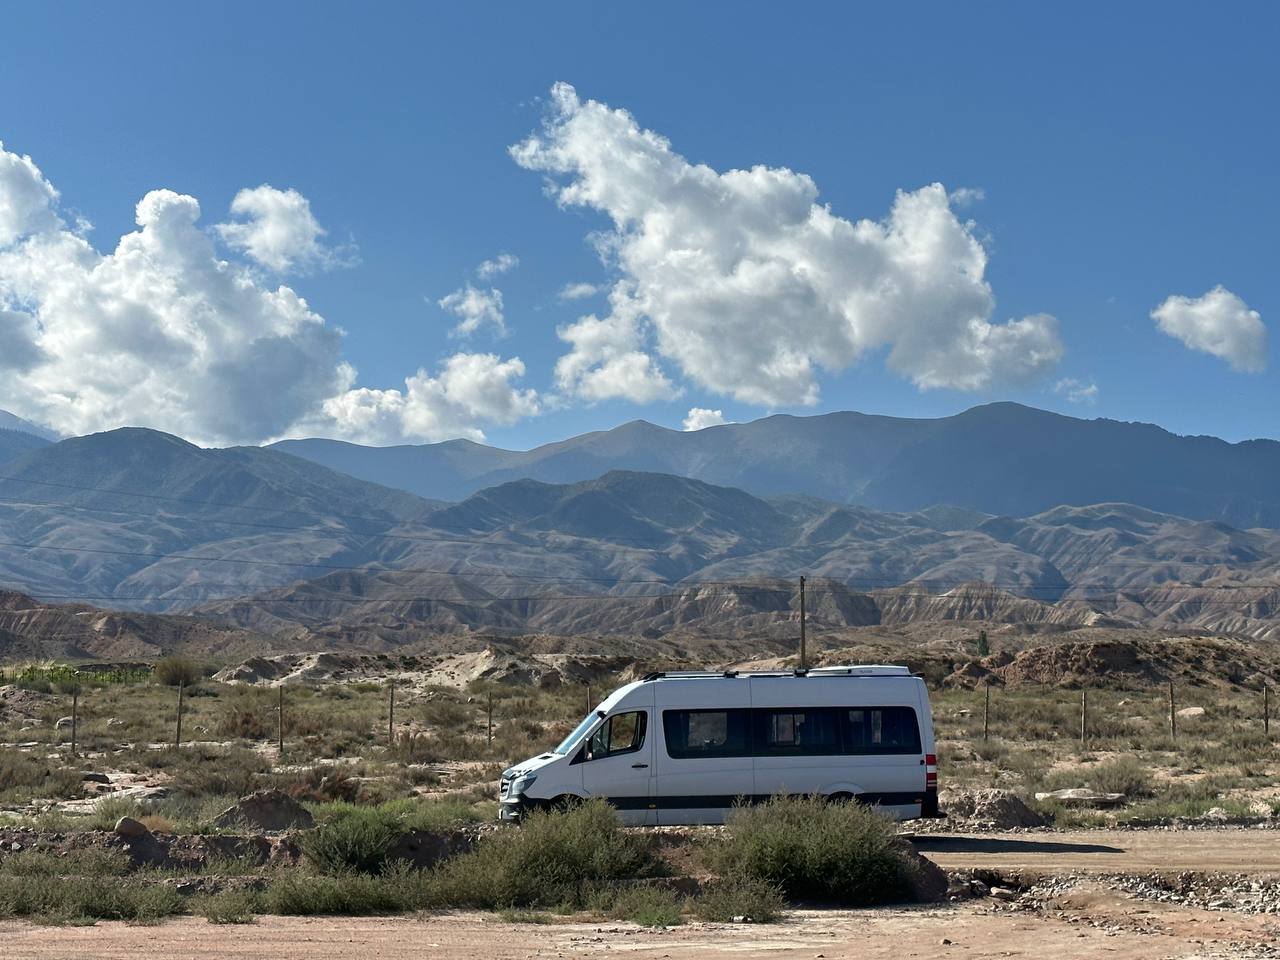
x,y
840,798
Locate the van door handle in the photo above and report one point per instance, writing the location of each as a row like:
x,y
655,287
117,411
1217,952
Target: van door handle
x,y
639,766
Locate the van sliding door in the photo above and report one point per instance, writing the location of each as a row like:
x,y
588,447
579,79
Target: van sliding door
x,y
704,756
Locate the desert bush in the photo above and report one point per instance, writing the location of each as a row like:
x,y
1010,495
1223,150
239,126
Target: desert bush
x,y
26,776
349,894
230,906
357,839
1124,774
217,771
73,899
176,671
88,862
647,905
244,724
554,858
840,853
320,784
757,900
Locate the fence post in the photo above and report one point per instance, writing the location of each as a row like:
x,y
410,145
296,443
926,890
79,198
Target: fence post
x,y
75,718
986,713
1084,714
391,714
488,716
1173,716
1266,708
588,698
177,734
280,720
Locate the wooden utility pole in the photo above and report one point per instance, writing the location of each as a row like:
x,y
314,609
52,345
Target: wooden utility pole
x,y
488,718
177,733
75,718
391,714
986,712
1084,714
804,654
1173,716
1266,708
280,720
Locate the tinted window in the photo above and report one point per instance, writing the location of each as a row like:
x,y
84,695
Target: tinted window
x,y
621,733
798,731
881,730
707,733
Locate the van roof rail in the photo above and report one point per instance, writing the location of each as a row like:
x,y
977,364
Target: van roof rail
x,y
862,670
685,674
850,670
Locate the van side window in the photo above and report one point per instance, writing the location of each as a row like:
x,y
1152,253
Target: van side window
x,y
621,733
798,731
693,734
881,730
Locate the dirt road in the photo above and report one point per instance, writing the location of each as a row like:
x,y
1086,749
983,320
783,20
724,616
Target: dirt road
x,y
1109,851
1101,924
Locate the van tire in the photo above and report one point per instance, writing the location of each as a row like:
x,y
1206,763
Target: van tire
x,y
840,798
564,803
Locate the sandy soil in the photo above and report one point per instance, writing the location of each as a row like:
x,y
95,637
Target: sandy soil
x,y
1109,851
1097,924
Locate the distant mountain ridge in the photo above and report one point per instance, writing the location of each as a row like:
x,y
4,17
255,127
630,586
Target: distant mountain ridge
x,y
1001,458
9,421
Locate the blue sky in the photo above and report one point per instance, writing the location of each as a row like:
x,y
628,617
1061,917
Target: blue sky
x,y
1122,152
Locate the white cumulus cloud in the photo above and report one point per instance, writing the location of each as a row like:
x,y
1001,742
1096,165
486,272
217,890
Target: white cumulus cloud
x,y
1218,323
578,291
26,198
162,332
470,387
475,307
500,264
750,287
1076,391
700,418
278,230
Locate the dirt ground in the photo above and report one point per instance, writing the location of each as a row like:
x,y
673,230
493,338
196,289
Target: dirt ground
x,y
1108,851
1089,924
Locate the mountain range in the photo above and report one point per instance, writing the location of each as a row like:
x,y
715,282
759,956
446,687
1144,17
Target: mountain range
x,y
1001,458
270,544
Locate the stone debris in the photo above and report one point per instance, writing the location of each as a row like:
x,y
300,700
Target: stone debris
x,y
1082,797
988,810
1190,713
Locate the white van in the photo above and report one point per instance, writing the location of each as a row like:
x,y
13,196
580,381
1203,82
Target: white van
x,y
686,747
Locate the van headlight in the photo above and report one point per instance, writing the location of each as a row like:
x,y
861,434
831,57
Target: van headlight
x,y
521,784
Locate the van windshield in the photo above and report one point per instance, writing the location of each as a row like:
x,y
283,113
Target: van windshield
x,y
580,731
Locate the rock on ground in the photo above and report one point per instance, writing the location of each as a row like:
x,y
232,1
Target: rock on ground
x,y
268,810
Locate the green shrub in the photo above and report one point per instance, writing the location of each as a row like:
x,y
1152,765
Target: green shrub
x,y
356,839
839,853
230,906
73,899
24,776
89,862
397,890
725,900
648,906
552,859
1121,775
176,671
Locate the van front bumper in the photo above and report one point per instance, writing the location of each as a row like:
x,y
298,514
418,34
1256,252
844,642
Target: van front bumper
x,y
514,809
